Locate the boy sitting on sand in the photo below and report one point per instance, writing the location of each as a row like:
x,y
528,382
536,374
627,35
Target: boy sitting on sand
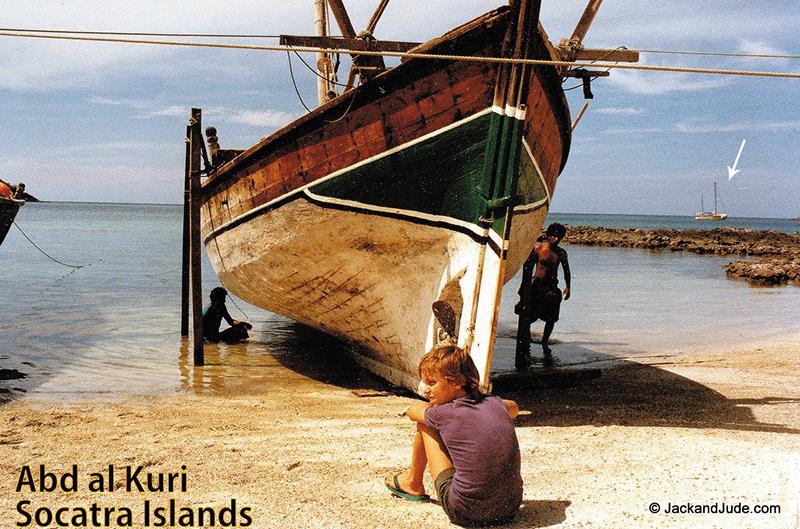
x,y
212,319
468,442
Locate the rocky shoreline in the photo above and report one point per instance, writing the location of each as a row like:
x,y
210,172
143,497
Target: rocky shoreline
x,y
779,253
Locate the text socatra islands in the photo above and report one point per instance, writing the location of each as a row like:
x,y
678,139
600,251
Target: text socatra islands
x,y
134,479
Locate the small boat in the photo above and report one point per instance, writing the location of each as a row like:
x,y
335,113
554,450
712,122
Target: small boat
x,y
9,206
428,182
710,215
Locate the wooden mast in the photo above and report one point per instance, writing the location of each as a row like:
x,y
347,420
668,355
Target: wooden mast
x,y
323,62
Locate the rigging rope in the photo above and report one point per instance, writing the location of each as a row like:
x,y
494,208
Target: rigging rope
x,y
723,54
500,60
294,83
237,306
259,36
297,91
45,253
143,34
315,72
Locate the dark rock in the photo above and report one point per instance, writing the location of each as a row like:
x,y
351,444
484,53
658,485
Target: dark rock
x,y
780,252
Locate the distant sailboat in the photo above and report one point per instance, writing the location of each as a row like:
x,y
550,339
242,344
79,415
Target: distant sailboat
x,y
714,214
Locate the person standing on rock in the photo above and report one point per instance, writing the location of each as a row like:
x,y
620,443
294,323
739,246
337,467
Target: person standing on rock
x,y
540,297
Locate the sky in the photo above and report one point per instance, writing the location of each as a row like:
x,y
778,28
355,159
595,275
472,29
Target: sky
x,y
100,122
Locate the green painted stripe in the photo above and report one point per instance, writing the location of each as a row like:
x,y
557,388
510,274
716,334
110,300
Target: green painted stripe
x,y
443,175
530,186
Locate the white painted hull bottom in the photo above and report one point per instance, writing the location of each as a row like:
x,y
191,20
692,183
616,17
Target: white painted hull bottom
x,y
370,279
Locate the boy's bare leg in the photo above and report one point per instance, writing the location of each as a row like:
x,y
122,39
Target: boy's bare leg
x,y
427,449
411,480
435,452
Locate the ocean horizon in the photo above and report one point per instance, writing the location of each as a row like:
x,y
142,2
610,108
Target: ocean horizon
x,y
609,216
111,327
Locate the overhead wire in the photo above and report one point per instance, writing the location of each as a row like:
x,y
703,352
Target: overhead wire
x,y
144,34
262,36
723,54
411,55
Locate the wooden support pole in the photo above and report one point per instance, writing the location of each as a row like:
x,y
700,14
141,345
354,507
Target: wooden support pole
x,y
186,243
342,19
585,21
376,16
195,139
580,115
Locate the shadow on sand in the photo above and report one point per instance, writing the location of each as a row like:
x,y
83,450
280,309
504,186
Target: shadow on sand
x,y
540,513
632,394
535,513
626,394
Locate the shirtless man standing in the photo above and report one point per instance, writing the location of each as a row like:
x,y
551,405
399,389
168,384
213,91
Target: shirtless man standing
x,y
540,297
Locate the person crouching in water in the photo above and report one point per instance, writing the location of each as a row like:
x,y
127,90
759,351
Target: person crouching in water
x,y
468,442
212,319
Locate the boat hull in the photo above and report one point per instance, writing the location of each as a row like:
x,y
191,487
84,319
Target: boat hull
x,y
357,217
711,216
369,274
9,208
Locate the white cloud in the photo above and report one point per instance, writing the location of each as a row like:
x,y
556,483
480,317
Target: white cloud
x,y
621,111
266,118
659,83
677,24
698,127
759,48
107,101
170,111
101,150
253,118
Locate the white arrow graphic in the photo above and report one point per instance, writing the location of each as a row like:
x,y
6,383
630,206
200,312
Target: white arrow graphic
x,y
733,170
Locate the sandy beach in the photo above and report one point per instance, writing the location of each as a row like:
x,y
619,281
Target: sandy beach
x,y
672,430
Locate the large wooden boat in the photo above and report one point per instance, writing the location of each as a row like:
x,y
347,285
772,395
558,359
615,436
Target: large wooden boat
x,y
9,207
428,182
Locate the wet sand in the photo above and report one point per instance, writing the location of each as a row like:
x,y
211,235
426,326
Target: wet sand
x,y
310,454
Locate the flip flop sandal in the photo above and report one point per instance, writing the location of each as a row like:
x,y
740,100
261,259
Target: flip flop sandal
x,y
396,490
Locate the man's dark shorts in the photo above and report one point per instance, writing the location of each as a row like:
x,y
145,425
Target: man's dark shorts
x,y
443,482
545,301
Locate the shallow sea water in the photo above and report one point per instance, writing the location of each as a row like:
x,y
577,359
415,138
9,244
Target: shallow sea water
x,y
111,328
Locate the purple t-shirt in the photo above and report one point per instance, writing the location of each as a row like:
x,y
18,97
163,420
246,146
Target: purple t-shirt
x,y
482,443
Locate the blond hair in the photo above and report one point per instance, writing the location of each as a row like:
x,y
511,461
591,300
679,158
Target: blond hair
x,y
454,364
